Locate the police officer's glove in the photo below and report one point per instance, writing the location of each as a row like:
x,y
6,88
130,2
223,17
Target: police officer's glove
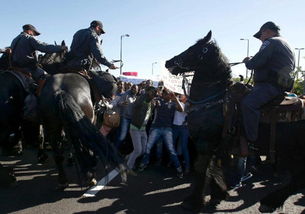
x,y
112,66
246,59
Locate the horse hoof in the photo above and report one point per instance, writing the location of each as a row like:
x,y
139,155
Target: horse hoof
x,y
123,172
266,209
62,187
92,182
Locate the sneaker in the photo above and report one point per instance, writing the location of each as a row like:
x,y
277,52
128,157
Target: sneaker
x,y
179,172
246,177
142,167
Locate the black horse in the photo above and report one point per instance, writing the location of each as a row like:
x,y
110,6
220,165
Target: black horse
x,y
66,104
12,123
211,80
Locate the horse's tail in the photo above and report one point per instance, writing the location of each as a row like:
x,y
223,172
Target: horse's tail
x,y
78,126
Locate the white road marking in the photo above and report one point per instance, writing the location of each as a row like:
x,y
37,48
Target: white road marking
x,y
101,184
181,186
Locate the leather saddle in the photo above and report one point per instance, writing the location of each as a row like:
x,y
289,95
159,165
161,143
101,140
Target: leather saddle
x,y
287,108
284,108
24,78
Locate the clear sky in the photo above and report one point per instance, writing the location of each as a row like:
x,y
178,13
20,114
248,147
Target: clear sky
x,y
158,29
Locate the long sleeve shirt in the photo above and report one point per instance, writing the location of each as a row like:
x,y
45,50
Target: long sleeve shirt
x,y
24,48
275,55
86,44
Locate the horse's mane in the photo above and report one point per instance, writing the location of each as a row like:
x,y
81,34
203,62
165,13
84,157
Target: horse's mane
x,y
218,61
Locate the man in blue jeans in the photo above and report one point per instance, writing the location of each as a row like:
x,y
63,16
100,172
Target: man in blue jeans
x,y
125,103
181,133
162,128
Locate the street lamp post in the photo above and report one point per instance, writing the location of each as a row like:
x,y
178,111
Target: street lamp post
x,y
152,67
121,52
298,68
247,54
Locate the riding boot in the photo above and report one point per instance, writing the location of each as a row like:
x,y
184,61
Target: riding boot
x,y
244,151
41,83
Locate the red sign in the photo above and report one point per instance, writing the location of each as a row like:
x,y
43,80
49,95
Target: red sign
x,y
135,74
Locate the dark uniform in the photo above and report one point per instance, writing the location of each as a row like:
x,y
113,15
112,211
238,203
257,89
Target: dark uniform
x,y
272,65
85,48
24,48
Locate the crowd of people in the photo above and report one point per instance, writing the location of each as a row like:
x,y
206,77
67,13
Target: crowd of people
x,y
150,116
153,119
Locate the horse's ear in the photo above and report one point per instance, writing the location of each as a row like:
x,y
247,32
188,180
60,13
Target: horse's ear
x,y
208,36
55,42
63,43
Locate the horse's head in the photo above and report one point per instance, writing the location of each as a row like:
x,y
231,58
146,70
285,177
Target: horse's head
x,y
202,55
105,83
189,59
52,63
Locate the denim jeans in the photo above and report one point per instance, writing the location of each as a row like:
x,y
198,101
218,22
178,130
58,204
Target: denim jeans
x,y
181,133
139,141
167,135
122,131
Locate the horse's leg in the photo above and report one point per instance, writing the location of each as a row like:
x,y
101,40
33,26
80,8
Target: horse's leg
x,y
58,153
218,185
14,146
194,201
42,156
86,160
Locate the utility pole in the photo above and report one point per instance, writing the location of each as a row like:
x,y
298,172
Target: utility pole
x,y
247,54
121,52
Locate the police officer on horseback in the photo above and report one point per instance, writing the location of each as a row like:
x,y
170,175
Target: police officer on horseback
x,y
86,49
24,53
272,65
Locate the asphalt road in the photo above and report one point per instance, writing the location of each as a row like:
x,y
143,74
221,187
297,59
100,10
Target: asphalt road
x,y
156,190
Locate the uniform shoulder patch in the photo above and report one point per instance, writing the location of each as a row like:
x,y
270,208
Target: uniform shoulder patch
x,y
265,44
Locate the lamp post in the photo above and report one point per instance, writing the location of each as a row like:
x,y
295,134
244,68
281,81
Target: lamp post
x,y
121,52
152,67
247,54
298,68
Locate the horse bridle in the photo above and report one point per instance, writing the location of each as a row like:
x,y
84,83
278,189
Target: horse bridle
x,y
185,83
201,56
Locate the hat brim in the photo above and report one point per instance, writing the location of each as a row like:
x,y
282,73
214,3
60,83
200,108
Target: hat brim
x,y
36,33
258,35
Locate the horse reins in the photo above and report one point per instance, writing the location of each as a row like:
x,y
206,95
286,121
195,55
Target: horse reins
x,y
206,103
185,81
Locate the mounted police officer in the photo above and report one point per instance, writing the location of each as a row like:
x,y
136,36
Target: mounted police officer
x,y
272,66
24,59
86,48
24,55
